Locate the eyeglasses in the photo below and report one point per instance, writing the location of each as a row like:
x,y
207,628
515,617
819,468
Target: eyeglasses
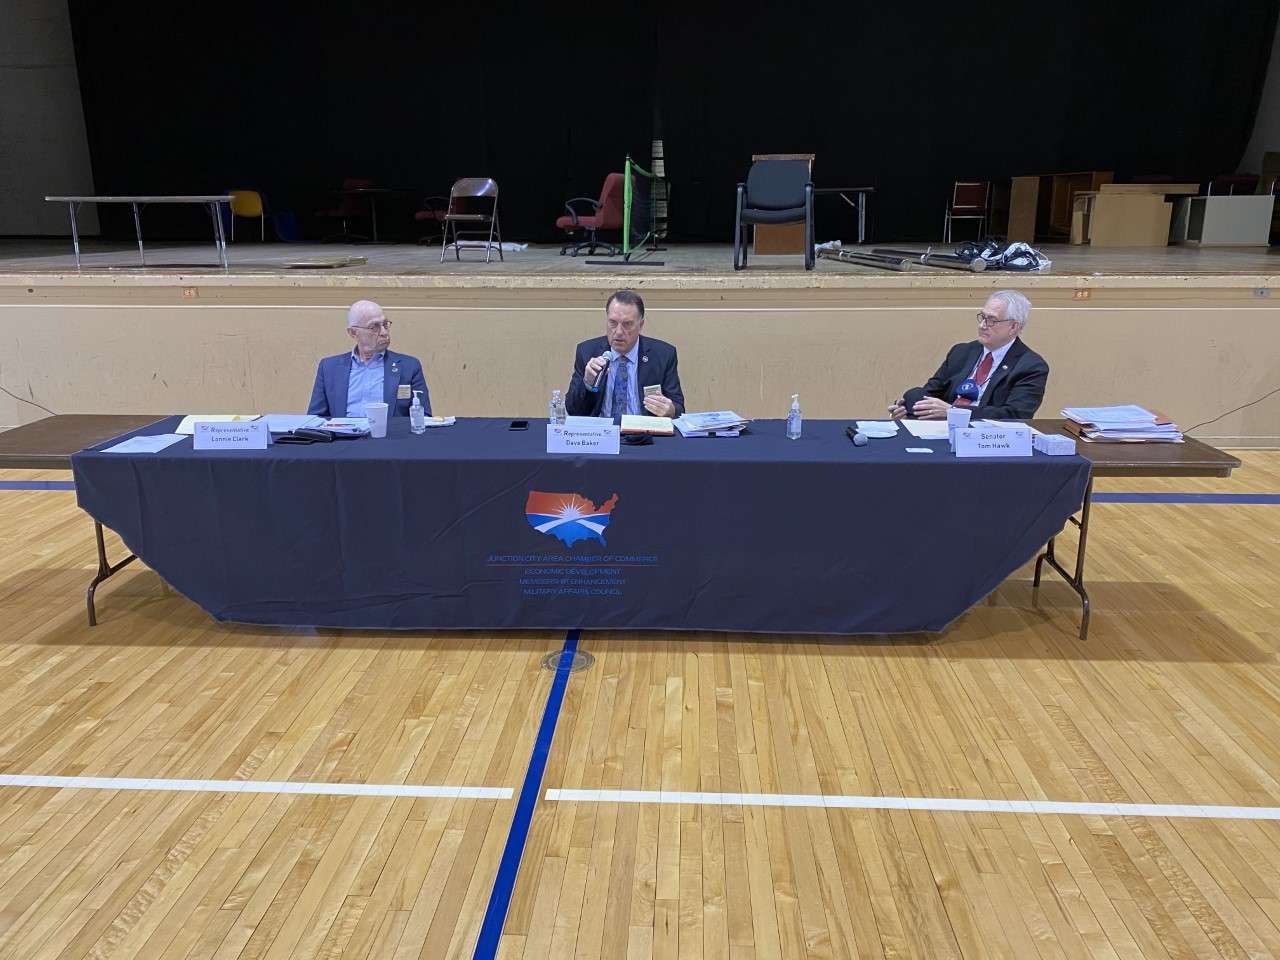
x,y
986,320
384,326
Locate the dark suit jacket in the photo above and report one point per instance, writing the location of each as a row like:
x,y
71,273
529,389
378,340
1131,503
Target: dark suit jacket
x,y
333,375
1014,391
657,365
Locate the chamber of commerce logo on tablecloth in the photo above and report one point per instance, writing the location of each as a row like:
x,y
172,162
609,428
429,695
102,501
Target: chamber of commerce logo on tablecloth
x,y
569,517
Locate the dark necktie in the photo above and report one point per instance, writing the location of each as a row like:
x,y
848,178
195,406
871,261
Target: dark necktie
x,y
621,386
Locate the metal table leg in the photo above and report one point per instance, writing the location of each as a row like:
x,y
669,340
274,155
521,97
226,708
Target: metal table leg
x,y
1076,581
74,209
104,570
862,217
219,234
137,226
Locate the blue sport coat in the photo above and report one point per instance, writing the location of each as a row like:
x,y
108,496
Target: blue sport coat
x,y
329,395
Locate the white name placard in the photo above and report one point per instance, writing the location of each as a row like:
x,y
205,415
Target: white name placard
x,y
994,440
562,438
251,435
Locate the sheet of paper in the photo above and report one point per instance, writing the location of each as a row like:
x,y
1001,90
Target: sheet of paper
x,y
187,426
926,429
919,450
146,444
287,422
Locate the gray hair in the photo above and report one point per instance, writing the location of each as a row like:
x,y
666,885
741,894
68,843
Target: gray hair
x,y
628,298
359,310
1016,306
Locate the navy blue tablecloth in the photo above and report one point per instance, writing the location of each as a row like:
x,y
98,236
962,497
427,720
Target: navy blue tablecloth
x,y
476,527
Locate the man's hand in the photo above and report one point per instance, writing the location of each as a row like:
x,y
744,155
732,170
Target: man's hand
x,y
931,408
897,410
659,406
591,373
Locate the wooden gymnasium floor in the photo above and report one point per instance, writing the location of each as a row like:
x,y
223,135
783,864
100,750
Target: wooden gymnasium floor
x,y
1174,700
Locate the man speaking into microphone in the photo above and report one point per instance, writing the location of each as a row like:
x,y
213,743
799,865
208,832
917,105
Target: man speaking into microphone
x,y
610,373
997,376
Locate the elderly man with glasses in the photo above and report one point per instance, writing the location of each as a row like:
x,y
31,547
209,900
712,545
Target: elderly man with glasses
x,y
997,376
370,373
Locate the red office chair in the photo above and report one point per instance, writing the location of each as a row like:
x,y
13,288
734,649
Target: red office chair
x,y
969,199
349,207
606,215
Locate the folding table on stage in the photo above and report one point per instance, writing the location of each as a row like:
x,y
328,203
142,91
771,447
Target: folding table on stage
x,y
137,203
859,205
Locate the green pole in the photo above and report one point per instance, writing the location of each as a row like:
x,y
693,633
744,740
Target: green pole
x,y
626,209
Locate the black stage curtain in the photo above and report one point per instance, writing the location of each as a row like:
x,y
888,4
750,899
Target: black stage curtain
x,y
904,96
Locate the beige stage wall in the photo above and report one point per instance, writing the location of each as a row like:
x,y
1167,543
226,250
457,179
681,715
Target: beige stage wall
x,y
1192,351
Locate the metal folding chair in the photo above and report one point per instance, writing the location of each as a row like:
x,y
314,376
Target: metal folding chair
x,y
466,206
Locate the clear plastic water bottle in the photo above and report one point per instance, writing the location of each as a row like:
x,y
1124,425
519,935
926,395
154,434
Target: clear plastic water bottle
x,y
794,419
555,409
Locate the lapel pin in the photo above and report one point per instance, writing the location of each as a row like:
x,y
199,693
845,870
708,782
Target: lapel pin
x,y
644,359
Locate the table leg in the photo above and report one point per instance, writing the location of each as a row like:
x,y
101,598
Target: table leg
x,y
74,209
862,217
1075,581
219,235
137,226
104,570
373,216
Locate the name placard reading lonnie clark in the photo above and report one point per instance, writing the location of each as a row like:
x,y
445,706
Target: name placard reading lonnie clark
x,y
248,435
996,440
580,440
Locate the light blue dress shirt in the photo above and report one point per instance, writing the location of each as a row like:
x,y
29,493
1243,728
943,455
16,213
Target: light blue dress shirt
x,y
365,383
633,383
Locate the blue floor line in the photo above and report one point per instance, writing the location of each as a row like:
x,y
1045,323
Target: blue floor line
x,y
504,883
37,485
1246,498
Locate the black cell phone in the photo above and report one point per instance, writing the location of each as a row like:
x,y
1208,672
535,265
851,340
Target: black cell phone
x,y
519,425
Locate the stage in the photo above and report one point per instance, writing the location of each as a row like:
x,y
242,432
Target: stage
x,y
1194,332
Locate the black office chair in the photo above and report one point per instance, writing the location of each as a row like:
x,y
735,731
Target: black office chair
x,y
776,191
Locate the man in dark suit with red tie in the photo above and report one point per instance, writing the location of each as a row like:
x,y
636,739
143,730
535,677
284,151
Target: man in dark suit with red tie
x,y
997,376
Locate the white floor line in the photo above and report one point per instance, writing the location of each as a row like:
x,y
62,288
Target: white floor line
x,y
258,786
1051,807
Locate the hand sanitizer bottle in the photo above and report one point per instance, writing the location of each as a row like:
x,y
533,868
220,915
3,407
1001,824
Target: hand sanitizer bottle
x,y
417,416
555,409
794,418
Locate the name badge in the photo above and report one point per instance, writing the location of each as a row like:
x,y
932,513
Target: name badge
x,y
580,440
1004,440
403,392
252,435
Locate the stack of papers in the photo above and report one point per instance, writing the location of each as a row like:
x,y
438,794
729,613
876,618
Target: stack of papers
x,y
1127,423
347,426
716,423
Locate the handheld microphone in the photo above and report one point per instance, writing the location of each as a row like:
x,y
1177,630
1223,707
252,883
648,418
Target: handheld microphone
x,y
856,438
607,357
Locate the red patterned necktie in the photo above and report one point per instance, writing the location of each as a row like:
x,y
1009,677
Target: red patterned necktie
x,y
980,378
